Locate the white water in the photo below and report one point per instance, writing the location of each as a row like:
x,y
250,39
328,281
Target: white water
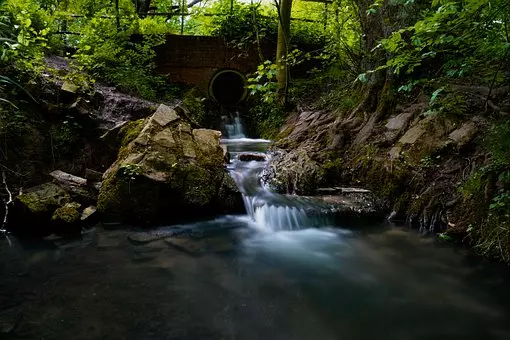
x,y
233,126
268,210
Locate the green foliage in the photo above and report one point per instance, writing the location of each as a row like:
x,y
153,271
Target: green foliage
x,y
118,58
65,136
30,29
193,101
498,142
451,40
448,103
263,81
268,118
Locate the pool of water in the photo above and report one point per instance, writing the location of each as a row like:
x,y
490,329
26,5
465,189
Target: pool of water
x,y
235,281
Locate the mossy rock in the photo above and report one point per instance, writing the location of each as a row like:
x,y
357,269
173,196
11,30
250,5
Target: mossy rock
x,y
32,212
69,213
43,198
166,172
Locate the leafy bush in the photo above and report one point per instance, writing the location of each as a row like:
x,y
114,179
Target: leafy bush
x,y
268,118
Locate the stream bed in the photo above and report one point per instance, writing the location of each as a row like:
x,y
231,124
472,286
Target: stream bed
x,y
275,273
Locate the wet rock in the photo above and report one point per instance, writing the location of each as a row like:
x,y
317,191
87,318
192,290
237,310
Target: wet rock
x,y
88,213
293,172
169,171
250,156
116,107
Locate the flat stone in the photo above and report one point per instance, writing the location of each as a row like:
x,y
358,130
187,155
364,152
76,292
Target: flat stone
x,y
62,176
188,146
114,131
184,128
144,136
464,134
87,212
133,158
353,190
399,122
412,135
207,137
165,139
164,115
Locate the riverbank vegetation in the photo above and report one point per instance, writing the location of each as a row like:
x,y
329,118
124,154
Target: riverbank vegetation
x,y
361,63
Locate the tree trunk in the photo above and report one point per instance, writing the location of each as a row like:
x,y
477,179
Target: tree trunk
x,y
142,7
284,10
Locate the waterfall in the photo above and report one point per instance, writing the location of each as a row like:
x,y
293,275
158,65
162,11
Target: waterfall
x,y
233,126
268,210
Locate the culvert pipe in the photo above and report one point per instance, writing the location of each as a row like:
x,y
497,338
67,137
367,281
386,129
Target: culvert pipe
x,y
228,87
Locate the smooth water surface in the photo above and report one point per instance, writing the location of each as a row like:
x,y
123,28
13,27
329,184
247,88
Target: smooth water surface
x,y
241,283
282,271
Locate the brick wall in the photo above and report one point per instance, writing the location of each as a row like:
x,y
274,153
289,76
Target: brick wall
x,y
195,59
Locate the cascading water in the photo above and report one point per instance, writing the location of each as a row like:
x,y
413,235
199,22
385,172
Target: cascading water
x,y
270,211
233,126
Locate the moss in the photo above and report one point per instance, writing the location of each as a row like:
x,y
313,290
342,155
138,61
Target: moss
x,y
68,213
453,104
130,131
192,100
201,188
473,186
44,198
109,195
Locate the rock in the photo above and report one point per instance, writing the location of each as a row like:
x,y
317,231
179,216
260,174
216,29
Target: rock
x,y
112,133
44,198
293,172
399,122
164,115
165,138
32,211
67,214
463,135
226,154
394,152
412,135
66,178
88,212
251,156
93,175
169,171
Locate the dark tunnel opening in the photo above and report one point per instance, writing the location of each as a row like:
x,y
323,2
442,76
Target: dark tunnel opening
x,y
227,87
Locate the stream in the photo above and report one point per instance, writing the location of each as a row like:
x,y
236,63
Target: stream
x,y
278,272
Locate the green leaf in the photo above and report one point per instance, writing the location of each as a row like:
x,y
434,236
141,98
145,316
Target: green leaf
x,y
435,94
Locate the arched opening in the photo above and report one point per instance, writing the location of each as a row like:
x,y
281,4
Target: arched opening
x,y
228,87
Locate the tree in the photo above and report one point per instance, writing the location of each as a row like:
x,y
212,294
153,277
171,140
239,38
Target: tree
x,y
284,8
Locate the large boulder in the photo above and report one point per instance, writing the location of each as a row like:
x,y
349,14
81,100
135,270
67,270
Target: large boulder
x,y
168,171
